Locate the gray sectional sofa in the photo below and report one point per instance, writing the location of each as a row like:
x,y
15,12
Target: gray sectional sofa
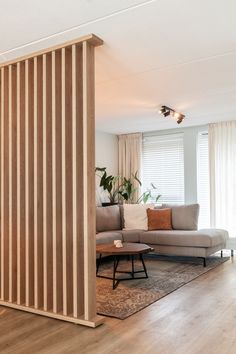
x,y
184,240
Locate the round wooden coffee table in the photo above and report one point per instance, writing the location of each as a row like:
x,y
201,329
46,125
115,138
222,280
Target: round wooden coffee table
x,y
128,249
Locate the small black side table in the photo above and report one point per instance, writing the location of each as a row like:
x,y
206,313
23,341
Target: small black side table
x,y
129,249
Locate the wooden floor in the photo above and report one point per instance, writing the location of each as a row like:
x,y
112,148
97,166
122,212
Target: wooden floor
x,y
199,318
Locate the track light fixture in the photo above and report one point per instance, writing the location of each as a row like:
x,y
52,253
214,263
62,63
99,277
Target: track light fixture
x,y
166,111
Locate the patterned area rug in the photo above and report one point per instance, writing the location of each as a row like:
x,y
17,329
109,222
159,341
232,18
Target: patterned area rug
x,y
166,274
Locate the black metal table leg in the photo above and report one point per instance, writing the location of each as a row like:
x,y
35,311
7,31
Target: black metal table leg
x,y
98,263
144,267
117,262
114,273
132,259
115,265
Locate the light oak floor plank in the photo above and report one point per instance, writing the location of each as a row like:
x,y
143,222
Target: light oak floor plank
x,y
198,318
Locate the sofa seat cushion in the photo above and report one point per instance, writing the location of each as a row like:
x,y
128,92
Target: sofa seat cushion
x,y
131,235
108,218
201,238
108,237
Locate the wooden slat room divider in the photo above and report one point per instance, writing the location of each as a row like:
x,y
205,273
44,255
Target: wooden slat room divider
x,y
47,188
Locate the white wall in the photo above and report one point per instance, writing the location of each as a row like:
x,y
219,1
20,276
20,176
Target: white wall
x,y
106,146
190,158
106,155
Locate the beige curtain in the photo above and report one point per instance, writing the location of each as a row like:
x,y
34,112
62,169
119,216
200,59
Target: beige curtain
x,y
130,152
222,161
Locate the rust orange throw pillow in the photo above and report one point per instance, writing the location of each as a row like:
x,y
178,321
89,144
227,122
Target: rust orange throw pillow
x,y
159,219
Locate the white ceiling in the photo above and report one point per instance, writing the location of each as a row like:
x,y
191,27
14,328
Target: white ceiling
x,y
180,53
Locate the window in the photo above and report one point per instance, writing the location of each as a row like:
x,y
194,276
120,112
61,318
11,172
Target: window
x,y
203,193
163,165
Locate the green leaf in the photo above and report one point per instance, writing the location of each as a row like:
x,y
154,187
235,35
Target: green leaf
x,y
135,176
101,169
146,197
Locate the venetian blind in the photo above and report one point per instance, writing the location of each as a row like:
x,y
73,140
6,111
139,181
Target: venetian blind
x,y
163,165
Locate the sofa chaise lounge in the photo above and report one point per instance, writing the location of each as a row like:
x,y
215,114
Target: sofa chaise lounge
x,y
183,240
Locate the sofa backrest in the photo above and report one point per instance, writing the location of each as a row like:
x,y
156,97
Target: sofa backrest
x,y
184,217
108,218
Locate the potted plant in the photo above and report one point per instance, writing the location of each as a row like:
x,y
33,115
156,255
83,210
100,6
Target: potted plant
x,y
128,190
110,184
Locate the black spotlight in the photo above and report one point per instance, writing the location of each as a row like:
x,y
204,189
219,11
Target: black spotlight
x,y
166,114
162,110
180,119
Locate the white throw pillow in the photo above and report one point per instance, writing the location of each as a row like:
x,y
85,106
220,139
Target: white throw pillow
x,y
135,216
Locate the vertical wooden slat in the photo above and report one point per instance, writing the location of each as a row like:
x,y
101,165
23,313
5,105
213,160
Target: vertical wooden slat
x,y
10,179
6,185
57,185
29,180
88,182
18,188
68,181
21,179
63,166
36,255
47,182
2,185
38,182
79,177
45,285
1,221
54,200
40,186
27,242
27,248
49,240
77,173
74,185
13,162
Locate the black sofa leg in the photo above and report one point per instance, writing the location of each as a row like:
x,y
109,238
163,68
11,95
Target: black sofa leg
x,y
204,262
221,253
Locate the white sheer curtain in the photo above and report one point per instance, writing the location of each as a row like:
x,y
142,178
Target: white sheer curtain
x,y
222,163
130,152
